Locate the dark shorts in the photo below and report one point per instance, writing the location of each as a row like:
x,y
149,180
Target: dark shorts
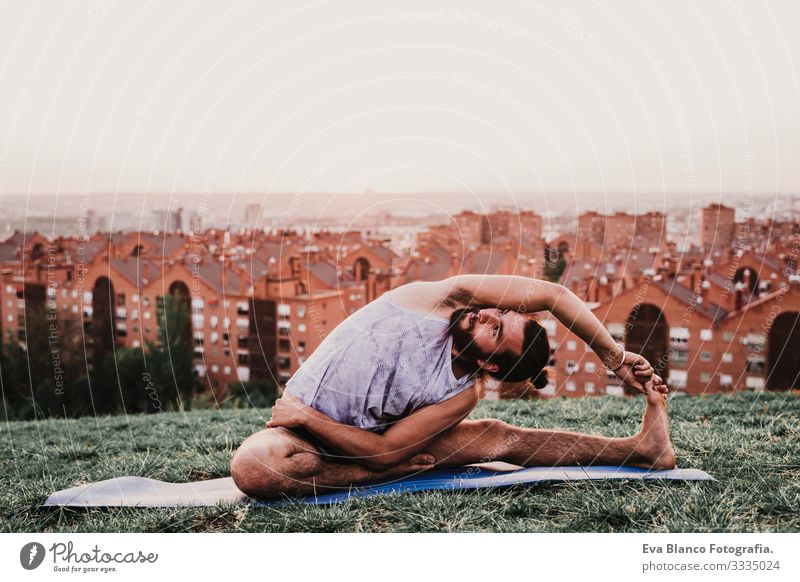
x,y
324,452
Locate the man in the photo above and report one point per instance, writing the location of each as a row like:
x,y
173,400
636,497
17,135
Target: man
x,y
388,391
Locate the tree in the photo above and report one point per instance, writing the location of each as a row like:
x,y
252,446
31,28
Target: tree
x,y
260,393
554,270
170,360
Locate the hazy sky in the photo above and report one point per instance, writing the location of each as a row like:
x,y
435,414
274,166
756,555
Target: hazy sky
x,y
646,97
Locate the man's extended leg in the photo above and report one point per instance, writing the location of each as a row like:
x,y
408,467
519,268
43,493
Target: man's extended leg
x,y
480,441
275,462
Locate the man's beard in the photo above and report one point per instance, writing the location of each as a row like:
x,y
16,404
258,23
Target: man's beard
x,y
463,342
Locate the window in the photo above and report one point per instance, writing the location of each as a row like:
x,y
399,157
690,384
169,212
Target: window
x,y
213,321
284,345
549,325
226,339
590,367
243,358
678,356
677,378
705,377
727,336
755,365
589,387
572,367
120,299
284,309
705,356
571,345
301,311
727,357
301,327
284,362
725,380
146,301
135,298
754,383
679,336
146,314
301,348
226,370
755,341
571,387
706,335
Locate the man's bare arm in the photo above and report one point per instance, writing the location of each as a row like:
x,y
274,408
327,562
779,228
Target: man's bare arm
x,y
527,295
379,452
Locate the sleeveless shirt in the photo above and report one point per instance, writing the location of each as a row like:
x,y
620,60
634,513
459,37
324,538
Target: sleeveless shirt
x,y
378,366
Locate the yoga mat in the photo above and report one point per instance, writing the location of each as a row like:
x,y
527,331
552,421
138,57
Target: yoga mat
x,y
144,492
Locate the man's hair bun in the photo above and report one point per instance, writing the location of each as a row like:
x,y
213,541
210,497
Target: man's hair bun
x,y
540,380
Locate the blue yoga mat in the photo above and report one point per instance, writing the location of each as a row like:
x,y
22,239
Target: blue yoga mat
x,y
144,492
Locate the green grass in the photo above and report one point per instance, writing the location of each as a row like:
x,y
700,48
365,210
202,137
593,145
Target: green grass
x,y
749,442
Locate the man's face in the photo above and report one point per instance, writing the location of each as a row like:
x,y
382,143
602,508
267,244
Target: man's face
x,y
479,333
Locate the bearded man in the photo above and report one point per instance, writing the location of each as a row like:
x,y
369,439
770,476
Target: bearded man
x,y
387,393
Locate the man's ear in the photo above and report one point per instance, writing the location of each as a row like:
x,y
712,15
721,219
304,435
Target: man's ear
x,y
488,366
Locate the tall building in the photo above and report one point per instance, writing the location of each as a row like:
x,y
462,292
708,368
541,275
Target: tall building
x,y
168,220
252,215
622,230
591,228
717,229
470,227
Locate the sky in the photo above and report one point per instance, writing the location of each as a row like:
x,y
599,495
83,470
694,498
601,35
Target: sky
x,y
621,98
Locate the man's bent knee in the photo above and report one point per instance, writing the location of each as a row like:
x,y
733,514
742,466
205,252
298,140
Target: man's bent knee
x,y
270,462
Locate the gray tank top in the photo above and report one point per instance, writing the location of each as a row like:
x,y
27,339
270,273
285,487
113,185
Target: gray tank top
x,y
378,366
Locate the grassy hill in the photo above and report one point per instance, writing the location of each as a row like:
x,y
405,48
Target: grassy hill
x,y
750,442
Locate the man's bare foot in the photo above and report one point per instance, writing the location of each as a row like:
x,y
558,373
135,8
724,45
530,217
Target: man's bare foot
x,y
655,449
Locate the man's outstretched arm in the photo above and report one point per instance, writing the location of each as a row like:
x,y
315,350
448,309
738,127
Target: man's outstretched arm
x,y
377,452
527,295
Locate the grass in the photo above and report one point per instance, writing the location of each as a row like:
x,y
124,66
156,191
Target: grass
x,y
750,442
